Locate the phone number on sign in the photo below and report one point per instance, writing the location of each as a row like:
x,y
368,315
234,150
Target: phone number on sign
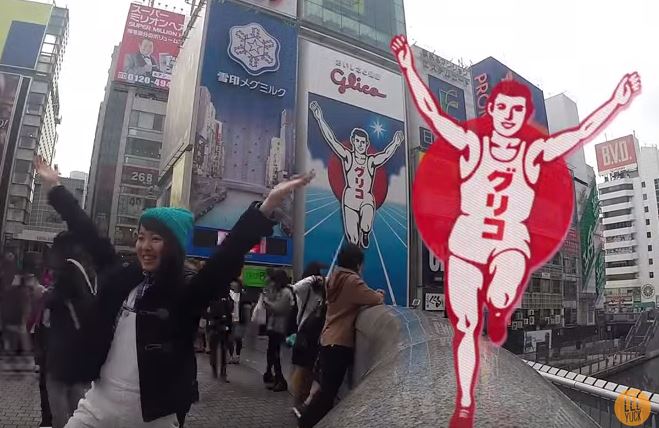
x,y
146,80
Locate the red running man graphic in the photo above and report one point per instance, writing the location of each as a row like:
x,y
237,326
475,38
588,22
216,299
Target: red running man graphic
x,y
479,199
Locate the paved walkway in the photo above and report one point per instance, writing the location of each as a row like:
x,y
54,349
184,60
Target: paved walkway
x,y
244,402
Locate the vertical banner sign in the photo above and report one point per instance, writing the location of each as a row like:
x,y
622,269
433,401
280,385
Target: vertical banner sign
x,y
488,73
600,273
452,101
355,142
588,226
244,141
8,96
149,47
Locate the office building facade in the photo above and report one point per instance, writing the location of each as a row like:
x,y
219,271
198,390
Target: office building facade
x,y
33,45
629,196
125,158
44,222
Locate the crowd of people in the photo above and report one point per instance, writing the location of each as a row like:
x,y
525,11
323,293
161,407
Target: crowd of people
x,y
114,340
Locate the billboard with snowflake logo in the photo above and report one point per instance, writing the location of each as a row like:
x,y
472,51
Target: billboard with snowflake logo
x,y
353,119
244,137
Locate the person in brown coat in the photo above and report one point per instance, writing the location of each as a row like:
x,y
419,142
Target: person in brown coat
x,y
346,294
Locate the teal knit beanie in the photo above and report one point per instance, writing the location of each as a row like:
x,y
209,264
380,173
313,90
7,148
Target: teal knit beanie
x,y
178,220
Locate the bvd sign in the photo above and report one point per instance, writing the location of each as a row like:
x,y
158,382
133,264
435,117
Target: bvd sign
x,y
616,155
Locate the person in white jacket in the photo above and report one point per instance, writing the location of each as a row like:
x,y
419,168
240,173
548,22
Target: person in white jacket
x,y
310,293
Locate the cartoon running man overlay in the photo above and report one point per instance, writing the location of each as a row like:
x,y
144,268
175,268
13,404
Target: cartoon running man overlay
x,y
500,166
359,169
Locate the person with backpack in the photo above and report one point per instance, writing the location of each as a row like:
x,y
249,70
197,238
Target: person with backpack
x,y
310,293
218,326
140,336
67,302
279,302
347,293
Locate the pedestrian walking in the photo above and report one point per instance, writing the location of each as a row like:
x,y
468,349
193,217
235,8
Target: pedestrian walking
x,y
18,300
8,270
219,320
278,300
240,316
68,301
310,293
140,350
346,294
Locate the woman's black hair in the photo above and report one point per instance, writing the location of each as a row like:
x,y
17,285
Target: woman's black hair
x,y
350,257
66,245
279,277
173,256
313,269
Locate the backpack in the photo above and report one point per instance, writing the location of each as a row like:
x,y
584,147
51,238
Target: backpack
x,y
220,312
309,333
291,322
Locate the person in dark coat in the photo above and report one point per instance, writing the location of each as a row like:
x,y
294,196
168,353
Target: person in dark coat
x,y
67,301
140,335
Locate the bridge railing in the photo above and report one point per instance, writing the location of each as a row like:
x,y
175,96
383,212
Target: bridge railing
x,y
609,361
595,396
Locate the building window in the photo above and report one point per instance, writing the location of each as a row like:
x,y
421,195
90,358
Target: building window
x,y
643,184
144,120
651,274
143,148
645,197
646,209
647,222
158,120
649,234
650,261
649,247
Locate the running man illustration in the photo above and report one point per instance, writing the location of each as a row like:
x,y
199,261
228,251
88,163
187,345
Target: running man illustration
x,y
488,246
358,203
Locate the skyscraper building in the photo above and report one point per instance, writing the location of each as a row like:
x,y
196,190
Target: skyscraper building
x,y
33,38
123,174
629,195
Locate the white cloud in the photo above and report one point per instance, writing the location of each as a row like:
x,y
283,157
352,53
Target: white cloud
x,y
321,179
398,187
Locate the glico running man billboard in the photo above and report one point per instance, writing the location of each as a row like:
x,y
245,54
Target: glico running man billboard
x,y
485,76
356,143
149,46
244,139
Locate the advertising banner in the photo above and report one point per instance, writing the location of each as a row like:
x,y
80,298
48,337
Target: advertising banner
x,y
272,250
354,114
285,7
588,227
451,98
9,86
600,273
432,272
149,46
244,138
485,76
616,155
22,25
452,101
434,302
